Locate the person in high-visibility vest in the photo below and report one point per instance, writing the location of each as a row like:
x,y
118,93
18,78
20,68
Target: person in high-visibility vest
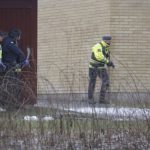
x,y
3,35
99,61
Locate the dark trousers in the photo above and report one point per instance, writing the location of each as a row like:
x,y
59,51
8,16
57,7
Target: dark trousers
x,y
101,73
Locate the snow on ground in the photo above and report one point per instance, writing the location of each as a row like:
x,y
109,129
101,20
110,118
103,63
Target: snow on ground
x,y
35,118
2,109
114,112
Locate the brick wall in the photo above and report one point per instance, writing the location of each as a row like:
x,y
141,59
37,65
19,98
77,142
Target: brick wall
x,y
130,27
67,30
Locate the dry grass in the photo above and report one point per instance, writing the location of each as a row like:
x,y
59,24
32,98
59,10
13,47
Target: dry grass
x,y
68,131
71,132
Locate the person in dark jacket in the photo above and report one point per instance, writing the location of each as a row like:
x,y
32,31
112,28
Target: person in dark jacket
x,y
12,54
13,58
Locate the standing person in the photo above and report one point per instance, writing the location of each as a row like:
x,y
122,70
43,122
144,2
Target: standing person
x,y
100,58
12,54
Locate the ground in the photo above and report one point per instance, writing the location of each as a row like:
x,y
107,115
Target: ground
x,y
75,126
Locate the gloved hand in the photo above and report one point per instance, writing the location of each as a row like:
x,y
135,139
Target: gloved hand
x,y
26,63
110,64
2,66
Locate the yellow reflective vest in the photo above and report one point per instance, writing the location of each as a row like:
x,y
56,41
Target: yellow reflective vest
x,y
0,52
100,55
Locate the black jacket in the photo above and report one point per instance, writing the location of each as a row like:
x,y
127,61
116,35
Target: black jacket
x,y
11,54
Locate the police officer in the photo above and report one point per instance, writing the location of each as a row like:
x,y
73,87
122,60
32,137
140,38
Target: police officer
x,y
100,58
12,54
2,36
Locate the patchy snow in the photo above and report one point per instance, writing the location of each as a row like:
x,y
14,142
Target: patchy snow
x,y
29,118
47,118
119,114
1,109
35,118
114,112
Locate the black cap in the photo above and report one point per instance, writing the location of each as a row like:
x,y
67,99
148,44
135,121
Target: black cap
x,y
106,38
15,32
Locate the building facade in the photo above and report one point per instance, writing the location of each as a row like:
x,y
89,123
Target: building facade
x,y
67,30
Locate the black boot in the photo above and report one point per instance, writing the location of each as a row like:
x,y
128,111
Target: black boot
x,y
91,101
103,101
